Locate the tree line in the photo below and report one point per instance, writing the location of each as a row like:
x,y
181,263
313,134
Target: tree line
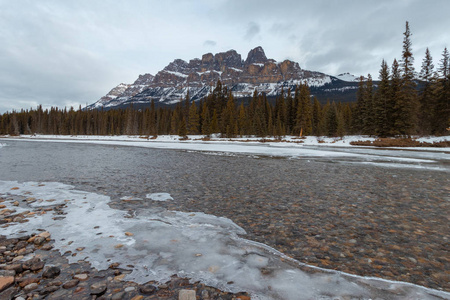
x,y
395,106
398,106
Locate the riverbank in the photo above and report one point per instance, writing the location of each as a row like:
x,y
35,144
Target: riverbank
x,y
363,219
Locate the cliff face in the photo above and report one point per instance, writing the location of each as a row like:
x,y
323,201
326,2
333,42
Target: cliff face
x,y
198,75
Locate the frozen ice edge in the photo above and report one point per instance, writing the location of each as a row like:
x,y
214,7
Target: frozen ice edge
x,y
196,245
423,159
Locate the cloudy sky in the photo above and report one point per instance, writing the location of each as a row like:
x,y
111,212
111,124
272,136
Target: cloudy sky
x,y
72,52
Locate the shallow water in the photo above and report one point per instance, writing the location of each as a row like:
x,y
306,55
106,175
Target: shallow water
x,y
195,180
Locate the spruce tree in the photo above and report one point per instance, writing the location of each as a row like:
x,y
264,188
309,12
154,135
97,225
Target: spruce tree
x,y
316,113
332,120
427,98
206,120
394,96
368,111
407,105
441,119
360,108
304,123
383,103
193,119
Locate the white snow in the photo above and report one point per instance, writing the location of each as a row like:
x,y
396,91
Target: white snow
x,y
201,247
292,147
347,77
130,198
236,69
177,74
159,196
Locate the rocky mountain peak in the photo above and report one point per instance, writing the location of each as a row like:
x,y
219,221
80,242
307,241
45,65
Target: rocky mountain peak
x,y
256,56
144,79
230,59
178,65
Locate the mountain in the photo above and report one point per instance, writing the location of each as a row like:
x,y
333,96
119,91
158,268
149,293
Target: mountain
x,y
199,77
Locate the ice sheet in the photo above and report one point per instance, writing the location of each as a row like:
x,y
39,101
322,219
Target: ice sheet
x,y
196,245
159,196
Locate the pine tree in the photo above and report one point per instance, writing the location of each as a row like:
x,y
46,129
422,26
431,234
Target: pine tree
x,y
174,122
304,116
206,120
407,105
394,96
182,130
360,108
242,120
193,119
441,119
368,107
214,123
383,104
332,120
316,113
427,97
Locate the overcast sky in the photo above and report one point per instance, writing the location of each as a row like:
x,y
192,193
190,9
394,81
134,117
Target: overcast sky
x,y
67,53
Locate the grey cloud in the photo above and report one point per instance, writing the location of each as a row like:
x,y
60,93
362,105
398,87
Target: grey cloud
x,y
209,43
252,30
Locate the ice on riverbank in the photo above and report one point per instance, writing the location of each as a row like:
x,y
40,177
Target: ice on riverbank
x,y
338,150
196,245
159,197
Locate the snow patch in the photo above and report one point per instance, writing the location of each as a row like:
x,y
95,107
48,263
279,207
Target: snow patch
x,y
177,74
347,77
159,196
130,198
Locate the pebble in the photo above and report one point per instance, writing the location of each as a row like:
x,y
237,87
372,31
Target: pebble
x,y
30,287
6,282
26,281
81,277
186,295
98,288
39,240
37,265
44,234
17,258
148,289
51,272
49,289
118,296
71,283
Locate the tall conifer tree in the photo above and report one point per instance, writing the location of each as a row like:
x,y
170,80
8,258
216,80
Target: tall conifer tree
x,y
407,105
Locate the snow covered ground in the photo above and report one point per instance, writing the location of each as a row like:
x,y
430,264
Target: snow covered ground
x,y
337,149
156,243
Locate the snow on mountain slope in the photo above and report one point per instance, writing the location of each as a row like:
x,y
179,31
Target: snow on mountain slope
x,y
347,77
199,76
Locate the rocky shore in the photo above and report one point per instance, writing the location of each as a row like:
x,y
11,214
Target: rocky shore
x,y
30,268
